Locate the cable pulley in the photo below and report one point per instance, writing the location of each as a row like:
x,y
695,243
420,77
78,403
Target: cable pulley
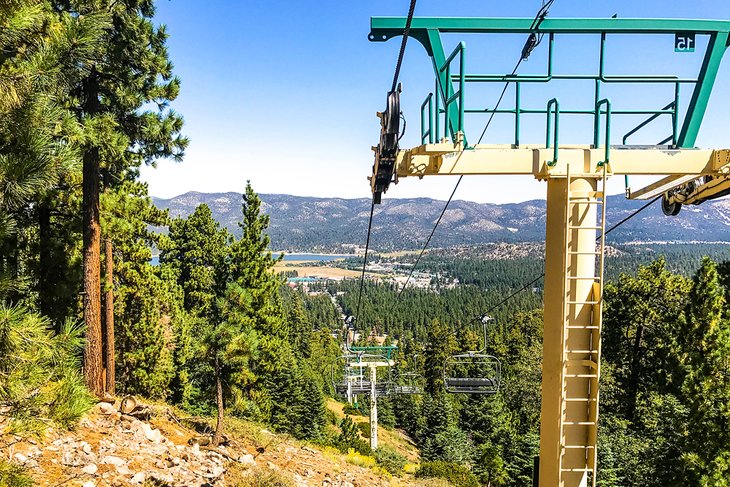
x,y
387,149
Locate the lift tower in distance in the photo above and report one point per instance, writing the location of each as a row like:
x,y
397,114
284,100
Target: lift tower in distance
x,y
575,176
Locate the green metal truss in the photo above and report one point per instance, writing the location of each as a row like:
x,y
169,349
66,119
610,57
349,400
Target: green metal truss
x,y
450,88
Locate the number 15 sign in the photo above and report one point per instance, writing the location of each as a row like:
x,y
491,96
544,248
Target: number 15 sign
x,y
684,42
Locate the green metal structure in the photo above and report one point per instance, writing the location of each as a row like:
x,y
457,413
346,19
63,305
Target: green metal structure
x,y
385,351
443,115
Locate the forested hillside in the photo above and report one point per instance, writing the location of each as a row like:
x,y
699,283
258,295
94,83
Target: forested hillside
x,y
335,224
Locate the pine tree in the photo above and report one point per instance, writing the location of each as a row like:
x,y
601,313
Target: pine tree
x,y
252,266
706,386
148,303
131,71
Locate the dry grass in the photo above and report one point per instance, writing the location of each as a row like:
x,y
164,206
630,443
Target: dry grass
x,y
396,439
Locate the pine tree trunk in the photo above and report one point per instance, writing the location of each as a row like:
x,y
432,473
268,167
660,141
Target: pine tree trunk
x,y
109,316
93,360
219,402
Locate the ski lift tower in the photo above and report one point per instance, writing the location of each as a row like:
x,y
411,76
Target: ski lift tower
x,y
575,174
372,362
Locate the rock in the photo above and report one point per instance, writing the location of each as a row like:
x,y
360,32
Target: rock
x,y
138,478
247,459
123,470
195,449
34,452
90,469
89,484
20,458
151,434
112,460
272,466
71,459
310,450
85,447
106,408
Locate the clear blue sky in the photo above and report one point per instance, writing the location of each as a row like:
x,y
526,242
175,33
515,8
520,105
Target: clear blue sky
x,y
284,93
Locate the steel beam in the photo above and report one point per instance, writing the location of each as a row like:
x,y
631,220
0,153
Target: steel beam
x,y
445,159
383,28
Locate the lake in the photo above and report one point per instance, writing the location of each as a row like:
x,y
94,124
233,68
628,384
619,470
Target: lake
x,y
302,257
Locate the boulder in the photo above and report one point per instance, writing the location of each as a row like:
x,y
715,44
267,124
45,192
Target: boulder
x,y
113,460
106,408
138,478
90,469
247,459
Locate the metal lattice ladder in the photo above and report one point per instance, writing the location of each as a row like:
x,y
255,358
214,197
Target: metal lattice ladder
x,y
583,295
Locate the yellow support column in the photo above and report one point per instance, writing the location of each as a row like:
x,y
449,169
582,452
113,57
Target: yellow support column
x,y
570,369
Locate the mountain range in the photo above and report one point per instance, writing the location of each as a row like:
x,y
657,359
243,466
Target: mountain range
x,y
312,224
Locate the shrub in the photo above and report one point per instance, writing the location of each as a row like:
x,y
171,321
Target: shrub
x,y
264,478
39,371
12,475
392,461
458,475
359,459
364,429
349,438
352,410
410,468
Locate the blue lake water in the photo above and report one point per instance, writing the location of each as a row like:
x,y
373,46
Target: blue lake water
x,y
303,257
316,257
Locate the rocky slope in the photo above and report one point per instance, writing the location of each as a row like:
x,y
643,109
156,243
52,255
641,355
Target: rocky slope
x,y
334,224
112,449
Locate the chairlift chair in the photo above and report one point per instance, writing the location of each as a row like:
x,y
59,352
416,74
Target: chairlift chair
x,y
408,383
473,372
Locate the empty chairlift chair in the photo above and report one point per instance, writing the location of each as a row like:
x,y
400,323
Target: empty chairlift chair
x,y
408,383
473,372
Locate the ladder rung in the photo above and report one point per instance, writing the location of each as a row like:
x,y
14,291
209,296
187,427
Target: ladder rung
x,y
585,194
581,227
584,277
578,447
581,351
584,202
579,423
582,376
576,252
581,327
583,363
580,399
576,469
584,302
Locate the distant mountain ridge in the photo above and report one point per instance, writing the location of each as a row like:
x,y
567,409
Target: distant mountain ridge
x,y
306,224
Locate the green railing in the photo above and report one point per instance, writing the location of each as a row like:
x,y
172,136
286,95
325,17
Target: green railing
x,y
431,111
386,351
553,103
597,129
451,96
450,101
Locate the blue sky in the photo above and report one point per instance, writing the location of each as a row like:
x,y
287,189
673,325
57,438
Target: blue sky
x,y
284,93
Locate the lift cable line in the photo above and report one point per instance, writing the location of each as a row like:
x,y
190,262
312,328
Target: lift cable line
x,y
365,259
389,131
532,42
529,284
403,43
